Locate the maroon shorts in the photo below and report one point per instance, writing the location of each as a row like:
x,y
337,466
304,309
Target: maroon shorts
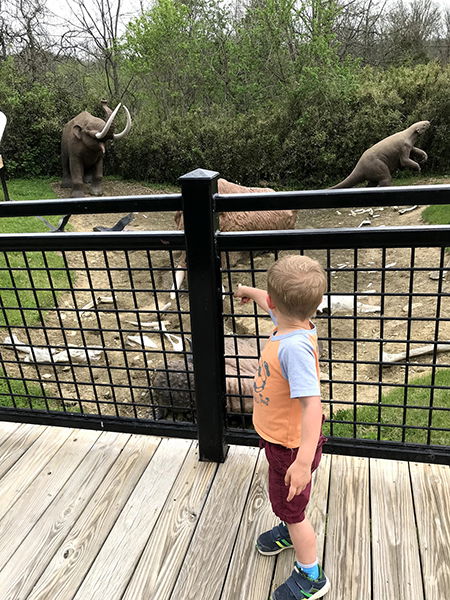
x,y
280,459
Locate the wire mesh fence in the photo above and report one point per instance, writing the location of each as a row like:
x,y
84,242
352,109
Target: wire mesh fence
x,y
384,334
93,333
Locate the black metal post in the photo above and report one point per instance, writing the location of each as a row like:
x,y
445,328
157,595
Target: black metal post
x,y
205,298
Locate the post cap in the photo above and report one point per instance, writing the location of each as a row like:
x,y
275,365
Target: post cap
x,y
202,174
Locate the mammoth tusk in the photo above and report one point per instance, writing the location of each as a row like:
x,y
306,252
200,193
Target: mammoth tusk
x,y
101,134
179,277
118,136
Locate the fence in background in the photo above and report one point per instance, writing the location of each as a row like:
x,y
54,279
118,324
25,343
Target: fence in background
x,y
91,335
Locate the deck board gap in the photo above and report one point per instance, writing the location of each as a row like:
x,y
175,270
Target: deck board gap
x,y
416,523
327,508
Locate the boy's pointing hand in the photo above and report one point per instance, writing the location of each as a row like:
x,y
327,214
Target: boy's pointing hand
x,y
240,293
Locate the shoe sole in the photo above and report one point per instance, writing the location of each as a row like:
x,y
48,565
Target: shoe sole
x,y
319,594
272,553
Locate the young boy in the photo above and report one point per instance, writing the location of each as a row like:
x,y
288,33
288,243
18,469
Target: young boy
x,y
287,414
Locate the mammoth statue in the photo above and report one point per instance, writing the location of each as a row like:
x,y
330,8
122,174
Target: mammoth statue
x,y
83,148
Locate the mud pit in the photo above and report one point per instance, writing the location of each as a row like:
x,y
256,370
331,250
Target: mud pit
x,y
109,328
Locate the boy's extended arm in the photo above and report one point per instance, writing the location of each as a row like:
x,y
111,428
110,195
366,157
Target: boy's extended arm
x,y
299,473
247,293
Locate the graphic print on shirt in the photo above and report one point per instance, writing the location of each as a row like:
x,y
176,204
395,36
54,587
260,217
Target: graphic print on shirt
x,y
259,383
287,370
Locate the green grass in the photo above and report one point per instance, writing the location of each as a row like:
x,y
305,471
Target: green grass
x,y
32,396
29,271
15,394
414,417
437,214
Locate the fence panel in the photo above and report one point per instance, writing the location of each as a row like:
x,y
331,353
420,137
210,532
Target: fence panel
x,y
384,330
92,335
89,339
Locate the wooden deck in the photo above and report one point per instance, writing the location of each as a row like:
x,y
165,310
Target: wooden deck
x,y
86,515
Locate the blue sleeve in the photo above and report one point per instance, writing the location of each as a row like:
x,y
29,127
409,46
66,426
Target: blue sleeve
x,y
298,365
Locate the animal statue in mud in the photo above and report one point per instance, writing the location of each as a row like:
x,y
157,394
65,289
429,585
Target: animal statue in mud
x,y
83,148
239,221
378,163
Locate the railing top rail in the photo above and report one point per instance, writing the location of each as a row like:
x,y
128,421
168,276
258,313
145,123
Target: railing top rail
x,y
105,204
102,240
328,198
368,237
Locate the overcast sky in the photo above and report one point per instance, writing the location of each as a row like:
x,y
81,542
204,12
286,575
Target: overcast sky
x,y
134,7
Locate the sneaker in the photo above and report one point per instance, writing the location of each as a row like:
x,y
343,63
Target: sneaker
x,y
301,587
274,541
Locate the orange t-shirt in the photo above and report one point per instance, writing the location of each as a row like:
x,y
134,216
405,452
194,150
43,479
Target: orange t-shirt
x,y
288,369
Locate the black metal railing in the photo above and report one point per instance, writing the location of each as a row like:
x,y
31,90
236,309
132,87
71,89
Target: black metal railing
x,y
98,338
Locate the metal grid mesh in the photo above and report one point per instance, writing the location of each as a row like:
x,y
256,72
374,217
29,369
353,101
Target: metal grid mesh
x,y
95,333
384,305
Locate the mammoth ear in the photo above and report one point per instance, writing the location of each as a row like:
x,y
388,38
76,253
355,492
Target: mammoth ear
x,y
77,131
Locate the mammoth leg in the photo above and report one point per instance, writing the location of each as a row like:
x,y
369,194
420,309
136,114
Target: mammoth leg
x,y
66,181
77,172
88,176
97,176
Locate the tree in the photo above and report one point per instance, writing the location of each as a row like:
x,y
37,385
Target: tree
x,y
409,30
24,33
93,33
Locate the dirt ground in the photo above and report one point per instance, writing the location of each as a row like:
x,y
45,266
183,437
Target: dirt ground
x,y
110,326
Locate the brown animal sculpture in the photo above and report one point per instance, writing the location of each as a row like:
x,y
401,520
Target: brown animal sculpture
x,y
83,149
240,221
378,163
172,390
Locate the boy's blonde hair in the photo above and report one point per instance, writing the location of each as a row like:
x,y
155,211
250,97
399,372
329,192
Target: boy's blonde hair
x,y
296,285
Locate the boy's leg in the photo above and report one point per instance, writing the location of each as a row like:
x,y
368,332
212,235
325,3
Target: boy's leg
x,y
307,580
303,538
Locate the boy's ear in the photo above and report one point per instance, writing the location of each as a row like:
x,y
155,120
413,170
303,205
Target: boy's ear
x,y
270,302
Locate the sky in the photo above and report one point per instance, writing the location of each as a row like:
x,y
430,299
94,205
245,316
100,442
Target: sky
x,y
135,7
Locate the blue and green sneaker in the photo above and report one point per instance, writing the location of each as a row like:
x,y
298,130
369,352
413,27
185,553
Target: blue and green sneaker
x,y
274,541
301,587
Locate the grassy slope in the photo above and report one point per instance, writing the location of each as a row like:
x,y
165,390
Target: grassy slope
x,y
12,277
411,406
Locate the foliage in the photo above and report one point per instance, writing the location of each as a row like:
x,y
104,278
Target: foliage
x,y
271,90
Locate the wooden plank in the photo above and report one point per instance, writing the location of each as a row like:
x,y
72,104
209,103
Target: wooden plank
x,y
22,516
250,573
431,494
395,552
22,473
16,444
66,570
347,545
111,571
203,572
6,429
317,514
33,555
157,570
